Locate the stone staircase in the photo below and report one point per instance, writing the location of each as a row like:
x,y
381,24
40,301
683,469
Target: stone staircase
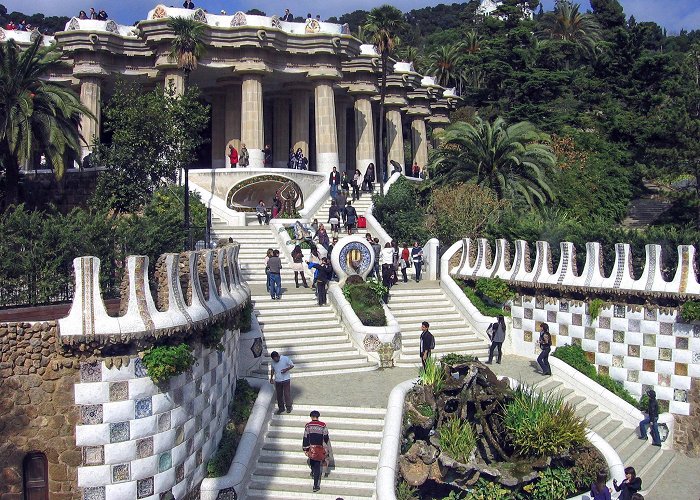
x,y
360,205
311,335
650,462
413,303
281,471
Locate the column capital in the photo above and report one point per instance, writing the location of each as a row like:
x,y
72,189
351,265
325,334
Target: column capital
x,y
395,101
321,74
364,88
247,69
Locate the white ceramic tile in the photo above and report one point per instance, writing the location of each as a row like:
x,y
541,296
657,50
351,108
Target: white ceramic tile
x,y
589,345
161,403
163,441
178,416
666,341
179,453
632,363
164,481
679,408
118,411
647,352
603,359
618,349
665,393
680,382
604,334
634,338
96,475
115,374
618,373
91,435
694,371
650,326
648,378
634,388
144,427
142,388
121,491
117,453
91,393
664,367
618,324
144,467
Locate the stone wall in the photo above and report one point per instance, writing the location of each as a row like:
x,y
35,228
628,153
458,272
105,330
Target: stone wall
x,y
687,428
38,413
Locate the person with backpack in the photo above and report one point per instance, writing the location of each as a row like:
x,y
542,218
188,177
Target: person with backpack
x,y
350,217
497,333
315,445
427,342
324,275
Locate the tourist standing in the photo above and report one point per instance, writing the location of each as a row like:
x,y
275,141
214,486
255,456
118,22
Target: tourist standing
x,y
630,485
276,204
416,170
267,156
546,346
417,257
314,258
369,177
651,418
232,156
243,156
188,4
356,183
334,218
498,336
287,17
279,375
345,185
298,266
275,265
323,238
267,268
350,217
334,181
427,342
324,274
314,444
405,262
377,248
599,490
261,212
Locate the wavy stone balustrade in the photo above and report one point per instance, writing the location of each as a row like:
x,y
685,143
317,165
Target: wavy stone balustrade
x,y
479,261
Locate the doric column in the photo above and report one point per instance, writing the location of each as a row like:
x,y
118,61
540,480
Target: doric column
x,y
252,118
300,120
90,97
219,151
341,121
364,132
280,136
394,134
233,116
326,134
420,141
175,78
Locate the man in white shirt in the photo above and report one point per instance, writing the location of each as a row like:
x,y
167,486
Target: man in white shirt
x,y
279,375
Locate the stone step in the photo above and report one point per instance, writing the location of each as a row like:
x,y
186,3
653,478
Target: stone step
x,y
339,435
410,314
315,371
339,360
467,340
342,473
327,354
317,313
609,428
435,324
294,335
418,292
275,325
656,468
293,495
303,486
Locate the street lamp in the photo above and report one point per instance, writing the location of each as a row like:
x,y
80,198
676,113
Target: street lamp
x,y
188,245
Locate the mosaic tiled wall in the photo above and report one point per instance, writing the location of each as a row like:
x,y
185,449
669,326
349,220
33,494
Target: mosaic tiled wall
x,y
642,347
140,440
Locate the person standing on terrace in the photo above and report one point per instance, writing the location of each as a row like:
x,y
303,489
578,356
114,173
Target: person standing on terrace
x,y
189,4
287,17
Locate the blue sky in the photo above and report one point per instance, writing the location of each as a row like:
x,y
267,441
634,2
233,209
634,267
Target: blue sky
x,y
672,14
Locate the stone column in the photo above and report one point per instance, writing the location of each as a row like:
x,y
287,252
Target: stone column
x,y
394,134
341,121
280,139
90,97
326,134
252,118
233,116
364,133
420,141
175,78
300,120
219,151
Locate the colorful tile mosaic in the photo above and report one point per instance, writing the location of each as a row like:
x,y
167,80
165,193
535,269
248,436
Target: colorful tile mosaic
x,y
681,343
119,432
539,302
139,368
576,341
649,340
604,347
179,435
590,356
665,328
143,407
120,473
93,455
91,414
165,461
696,331
618,361
696,357
563,306
648,365
603,322
144,447
576,319
198,457
650,313
680,395
198,423
164,421
517,323
619,311
518,300
681,369
589,333
665,354
91,372
179,473
634,325
619,336
119,391
603,370
633,375
633,350
95,493
664,380
564,330
552,316
177,396
190,446
144,487
527,313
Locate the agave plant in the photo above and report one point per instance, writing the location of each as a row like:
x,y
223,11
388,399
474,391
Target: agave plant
x,y
432,374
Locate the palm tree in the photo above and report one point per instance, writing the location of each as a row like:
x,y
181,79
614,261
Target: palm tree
x,y
35,115
512,161
187,46
382,24
568,24
472,42
411,55
445,64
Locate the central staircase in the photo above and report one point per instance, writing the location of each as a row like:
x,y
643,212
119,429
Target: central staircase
x,y
281,471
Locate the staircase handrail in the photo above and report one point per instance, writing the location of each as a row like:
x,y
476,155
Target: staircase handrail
x,y
315,201
362,335
218,205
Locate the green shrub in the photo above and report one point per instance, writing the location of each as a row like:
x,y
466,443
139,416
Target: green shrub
x,y
574,356
453,358
243,399
432,374
587,464
487,490
245,321
405,491
457,439
494,289
366,303
211,337
553,484
542,424
166,361
479,303
426,410
594,308
690,311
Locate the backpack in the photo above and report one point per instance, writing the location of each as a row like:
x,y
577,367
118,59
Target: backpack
x,y
491,330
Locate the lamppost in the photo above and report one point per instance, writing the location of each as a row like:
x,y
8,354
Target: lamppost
x,y
188,245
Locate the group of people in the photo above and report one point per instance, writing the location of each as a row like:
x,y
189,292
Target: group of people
x,y
20,26
391,259
100,15
297,160
342,183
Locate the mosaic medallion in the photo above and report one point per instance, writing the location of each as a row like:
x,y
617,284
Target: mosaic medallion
x,y
619,310
563,306
681,343
93,455
165,461
143,407
91,414
257,347
91,372
96,493
119,432
119,391
665,354
144,487
120,473
354,258
680,395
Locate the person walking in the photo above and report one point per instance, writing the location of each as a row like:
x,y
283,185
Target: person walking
x,y
267,156
498,336
232,156
405,262
334,219
599,490
275,265
652,419
377,248
334,181
427,342
261,212
279,375
298,266
369,178
356,183
270,253
350,217
546,346
417,257
315,444
345,185
630,485
324,275
243,156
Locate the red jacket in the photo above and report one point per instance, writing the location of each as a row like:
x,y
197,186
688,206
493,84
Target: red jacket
x,y
233,156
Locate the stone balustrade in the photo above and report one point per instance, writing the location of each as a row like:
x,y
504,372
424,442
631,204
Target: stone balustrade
x,y
480,261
